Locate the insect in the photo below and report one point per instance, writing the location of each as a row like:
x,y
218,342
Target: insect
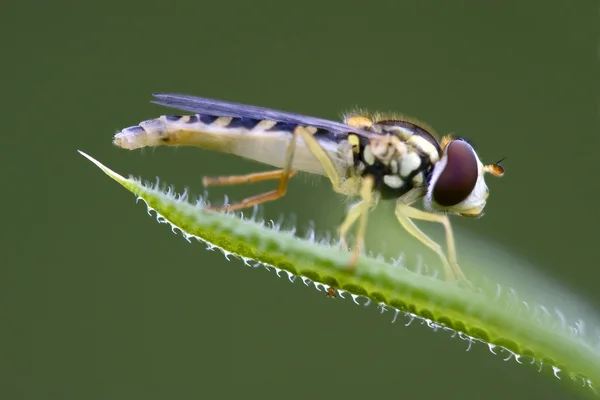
x,y
330,292
372,156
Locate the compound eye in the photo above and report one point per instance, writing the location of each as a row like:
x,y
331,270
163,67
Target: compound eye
x,y
458,179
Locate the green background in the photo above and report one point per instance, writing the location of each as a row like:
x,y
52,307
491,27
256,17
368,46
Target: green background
x,y
98,301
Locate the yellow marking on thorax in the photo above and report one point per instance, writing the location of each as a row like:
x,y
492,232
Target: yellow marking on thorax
x,y
402,133
386,148
393,181
358,122
425,146
354,142
363,116
368,155
418,179
409,163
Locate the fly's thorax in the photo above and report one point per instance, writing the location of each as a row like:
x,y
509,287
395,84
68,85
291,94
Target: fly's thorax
x,y
397,165
457,184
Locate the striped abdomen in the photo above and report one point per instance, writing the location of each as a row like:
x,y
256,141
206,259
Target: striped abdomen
x,y
260,140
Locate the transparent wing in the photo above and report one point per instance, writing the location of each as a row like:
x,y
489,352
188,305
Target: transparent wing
x,y
203,105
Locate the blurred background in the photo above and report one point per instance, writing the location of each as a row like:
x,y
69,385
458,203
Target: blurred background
x,y
98,301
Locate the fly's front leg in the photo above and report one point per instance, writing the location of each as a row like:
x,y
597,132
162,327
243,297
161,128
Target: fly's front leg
x,y
283,175
404,213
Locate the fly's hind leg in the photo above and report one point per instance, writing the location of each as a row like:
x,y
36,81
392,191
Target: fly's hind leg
x,y
405,213
283,175
249,178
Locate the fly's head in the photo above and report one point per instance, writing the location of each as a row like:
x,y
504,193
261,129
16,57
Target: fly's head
x,y
456,184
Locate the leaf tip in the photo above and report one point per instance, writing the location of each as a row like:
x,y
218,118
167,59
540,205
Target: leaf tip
x,y
104,168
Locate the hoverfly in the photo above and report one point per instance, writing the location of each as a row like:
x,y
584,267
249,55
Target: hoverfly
x,y
374,156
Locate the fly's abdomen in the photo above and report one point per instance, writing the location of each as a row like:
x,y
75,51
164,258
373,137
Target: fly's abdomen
x,y
147,133
206,131
261,140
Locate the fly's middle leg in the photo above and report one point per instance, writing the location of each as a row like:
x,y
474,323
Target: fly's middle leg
x,y
356,185
351,217
366,193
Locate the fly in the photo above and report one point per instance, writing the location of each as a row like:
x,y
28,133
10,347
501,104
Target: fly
x,y
373,156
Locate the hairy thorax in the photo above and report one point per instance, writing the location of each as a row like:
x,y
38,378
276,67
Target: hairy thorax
x,y
398,161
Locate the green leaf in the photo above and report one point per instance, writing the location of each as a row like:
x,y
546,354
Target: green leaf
x,y
554,337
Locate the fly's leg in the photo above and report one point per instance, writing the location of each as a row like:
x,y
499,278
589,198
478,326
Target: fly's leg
x,y
405,213
366,193
358,212
351,217
283,175
348,187
363,186
249,178
319,152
